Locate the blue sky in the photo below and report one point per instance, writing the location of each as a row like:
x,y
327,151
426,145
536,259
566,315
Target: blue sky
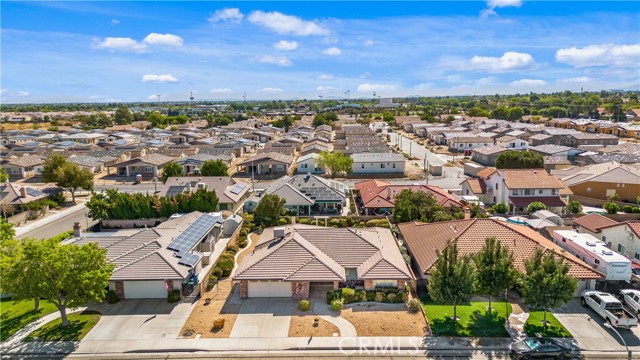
x,y
134,51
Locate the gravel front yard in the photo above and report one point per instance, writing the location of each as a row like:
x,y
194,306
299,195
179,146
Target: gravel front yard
x,y
302,326
222,306
385,320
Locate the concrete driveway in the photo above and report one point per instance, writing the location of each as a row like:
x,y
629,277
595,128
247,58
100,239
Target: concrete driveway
x,y
589,332
263,317
140,319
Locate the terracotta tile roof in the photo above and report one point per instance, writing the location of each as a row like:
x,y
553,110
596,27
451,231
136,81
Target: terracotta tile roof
x,y
593,222
531,179
313,253
381,194
423,240
477,186
634,225
521,201
485,173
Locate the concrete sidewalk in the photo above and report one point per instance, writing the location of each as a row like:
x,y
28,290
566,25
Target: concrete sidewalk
x,y
21,230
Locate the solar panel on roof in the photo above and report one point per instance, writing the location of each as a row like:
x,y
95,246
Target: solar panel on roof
x,y
193,233
237,188
189,259
34,192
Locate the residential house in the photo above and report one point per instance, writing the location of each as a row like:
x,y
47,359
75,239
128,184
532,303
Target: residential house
x,y
487,155
262,137
23,166
93,164
601,181
512,143
291,261
193,164
378,163
309,164
148,166
591,224
378,197
624,237
151,262
518,188
556,150
464,143
425,240
270,163
14,195
306,194
556,162
231,193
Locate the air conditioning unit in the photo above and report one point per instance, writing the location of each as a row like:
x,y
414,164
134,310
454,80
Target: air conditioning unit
x,y
201,185
278,232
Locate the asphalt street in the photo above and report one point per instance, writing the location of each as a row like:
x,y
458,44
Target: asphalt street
x,y
65,223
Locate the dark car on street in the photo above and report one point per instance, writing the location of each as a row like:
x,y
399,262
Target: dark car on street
x,y
539,348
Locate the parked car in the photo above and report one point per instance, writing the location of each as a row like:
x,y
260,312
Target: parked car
x,y
539,348
631,298
610,308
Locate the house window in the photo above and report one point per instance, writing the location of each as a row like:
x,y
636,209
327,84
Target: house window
x,y
597,261
351,273
604,239
15,171
394,166
496,186
494,199
461,145
148,169
304,166
514,192
381,166
621,248
539,191
588,190
527,191
554,191
362,165
467,191
637,256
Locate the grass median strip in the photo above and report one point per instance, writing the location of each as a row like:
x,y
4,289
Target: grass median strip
x,y
553,329
16,315
474,319
79,325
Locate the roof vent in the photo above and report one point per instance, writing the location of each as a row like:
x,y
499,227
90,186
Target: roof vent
x,y
278,232
607,252
591,243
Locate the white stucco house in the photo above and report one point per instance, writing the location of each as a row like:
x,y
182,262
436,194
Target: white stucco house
x,y
308,164
378,163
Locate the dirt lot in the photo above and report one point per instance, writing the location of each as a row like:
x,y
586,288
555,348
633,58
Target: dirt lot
x,y
413,171
201,319
302,326
385,320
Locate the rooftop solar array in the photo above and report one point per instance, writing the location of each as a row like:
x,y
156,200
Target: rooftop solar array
x,y
34,192
237,188
174,190
188,239
189,259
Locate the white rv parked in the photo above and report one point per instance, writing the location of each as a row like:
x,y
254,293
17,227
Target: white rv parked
x,y
595,253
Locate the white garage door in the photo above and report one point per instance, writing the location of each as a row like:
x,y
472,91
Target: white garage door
x,y
269,289
145,290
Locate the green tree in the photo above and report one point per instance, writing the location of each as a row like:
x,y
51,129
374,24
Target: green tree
x,y
389,118
516,113
519,160
99,206
7,232
452,278
574,207
71,178
123,115
51,165
418,205
547,283
335,163
500,208
286,122
500,112
269,209
214,168
4,177
171,170
638,200
611,207
495,269
478,112
535,206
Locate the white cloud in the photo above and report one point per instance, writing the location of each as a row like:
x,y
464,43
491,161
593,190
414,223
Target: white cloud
x,y
286,24
325,77
364,75
115,22
14,94
495,4
286,45
367,88
155,97
163,39
22,94
489,80
269,90
326,88
600,55
368,42
221,91
275,60
579,79
529,82
230,15
120,44
159,78
332,51
510,61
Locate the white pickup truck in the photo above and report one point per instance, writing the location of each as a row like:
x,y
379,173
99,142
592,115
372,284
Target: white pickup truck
x,y
610,308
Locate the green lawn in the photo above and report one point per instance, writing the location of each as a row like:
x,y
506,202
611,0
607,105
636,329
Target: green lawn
x,y
475,320
79,325
554,329
16,315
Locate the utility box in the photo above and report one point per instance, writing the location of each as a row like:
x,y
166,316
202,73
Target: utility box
x,y
435,170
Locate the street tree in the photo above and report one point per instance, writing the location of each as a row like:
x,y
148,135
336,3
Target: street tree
x,y
335,163
389,118
453,278
547,283
71,178
171,170
269,209
23,271
4,177
214,168
123,115
535,206
495,270
51,164
500,208
519,160
574,207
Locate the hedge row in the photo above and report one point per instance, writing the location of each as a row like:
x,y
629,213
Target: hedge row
x,y
381,294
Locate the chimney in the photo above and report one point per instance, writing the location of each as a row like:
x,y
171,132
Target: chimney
x,y
467,214
77,232
388,192
23,192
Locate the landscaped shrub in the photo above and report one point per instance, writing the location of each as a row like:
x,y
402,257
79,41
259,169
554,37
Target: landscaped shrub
x,y
361,224
173,296
402,296
387,289
282,221
378,223
413,306
244,232
226,263
371,295
304,305
233,249
334,222
217,271
218,324
391,298
332,295
304,221
58,198
337,305
380,296
361,295
112,298
242,243
349,295
627,208
635,210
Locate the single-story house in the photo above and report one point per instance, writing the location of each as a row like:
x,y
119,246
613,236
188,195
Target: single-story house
x,y
23,166
17,195
592,224
511,142
378,163
309,164
487,155
266,163
231,192
424,240
463,143
288,261
191,163
148,166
